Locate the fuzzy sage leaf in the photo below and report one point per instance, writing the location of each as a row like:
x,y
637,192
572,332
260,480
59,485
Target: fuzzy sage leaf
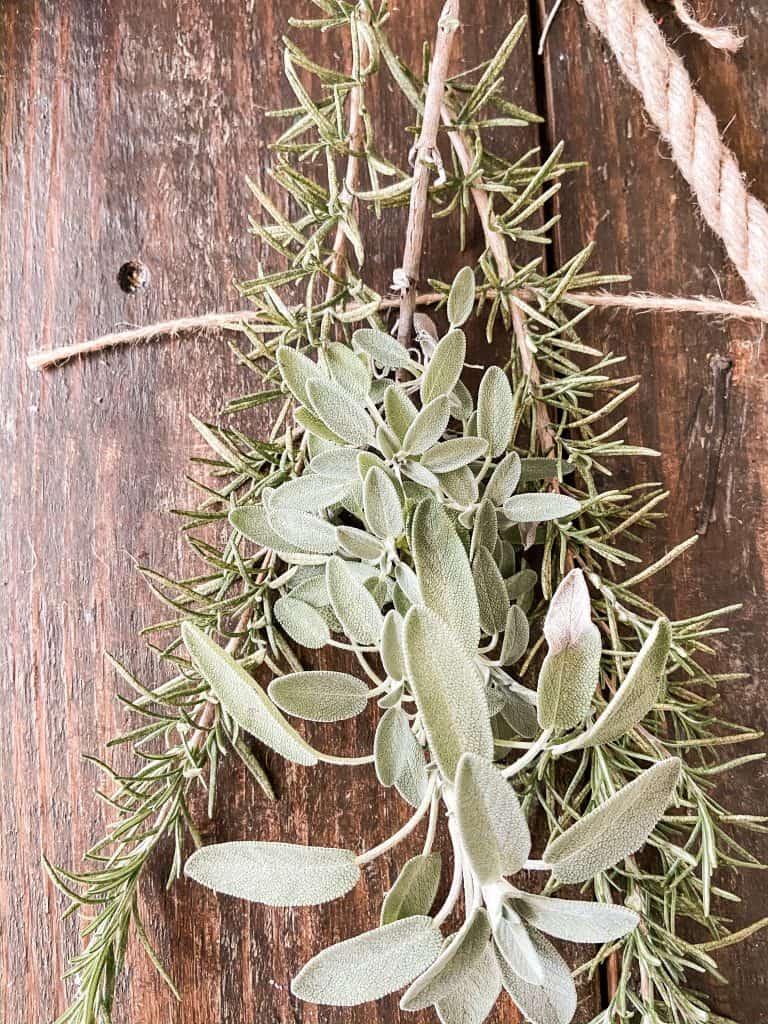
x,y
320,696
242,698
414,890
371,965
570,671
449,691
278,874
615,829
494,830
635,697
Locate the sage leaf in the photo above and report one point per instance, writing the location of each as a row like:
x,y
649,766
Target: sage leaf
x,y
461,298
312,590
393,746
495,410
540,507
445,577
485,529
576,920
424,483
412,781
516,636
458,960
387,441
615,829
391,646
369,966
382,505
400,410
428,427
408,582
315,426
251,521
448,689
472,1001
445,366
571,669
302,530
635,697
382,348
461,401
453,454
553,1003
338,463
297,371
348,370
521,584
519,710
242,698
341,414
414,890
277,874
460,485
516,946
359,543
494,830
309,493
320,696
492,597
504,479
302,622
354,605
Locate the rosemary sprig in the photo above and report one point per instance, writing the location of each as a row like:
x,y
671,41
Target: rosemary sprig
x,y
564,427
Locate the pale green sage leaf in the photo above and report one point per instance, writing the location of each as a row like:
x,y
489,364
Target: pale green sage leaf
x,y
278,874
494,830
461,298
320,696
414,890
242,698
354,605
449,690
615,829
369,966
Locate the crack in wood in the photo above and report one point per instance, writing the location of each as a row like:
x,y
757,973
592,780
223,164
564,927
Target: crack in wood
x,y
722,372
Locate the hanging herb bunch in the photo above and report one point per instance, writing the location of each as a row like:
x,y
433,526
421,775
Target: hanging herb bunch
x,y
465,549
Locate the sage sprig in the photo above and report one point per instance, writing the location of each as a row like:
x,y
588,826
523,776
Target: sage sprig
x,y
449,540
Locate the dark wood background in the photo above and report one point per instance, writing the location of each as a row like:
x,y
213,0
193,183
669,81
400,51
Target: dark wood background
x,y
127,129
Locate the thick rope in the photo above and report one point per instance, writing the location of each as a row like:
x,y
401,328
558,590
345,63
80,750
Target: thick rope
x,y
690,128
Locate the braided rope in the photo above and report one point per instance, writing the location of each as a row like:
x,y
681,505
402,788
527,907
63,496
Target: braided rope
x,y
690,128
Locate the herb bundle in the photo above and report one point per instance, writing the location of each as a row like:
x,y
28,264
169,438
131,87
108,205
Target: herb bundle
x,y
463,547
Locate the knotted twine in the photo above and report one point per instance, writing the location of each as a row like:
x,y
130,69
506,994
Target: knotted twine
x,y
688,125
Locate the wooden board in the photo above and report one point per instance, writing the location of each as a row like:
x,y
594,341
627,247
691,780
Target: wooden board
x,y
702,398
127,129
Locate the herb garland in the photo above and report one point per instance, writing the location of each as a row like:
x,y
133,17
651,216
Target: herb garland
x,y
463,550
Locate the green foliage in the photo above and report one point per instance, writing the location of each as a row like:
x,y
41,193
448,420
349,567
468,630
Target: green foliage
x,y
442,537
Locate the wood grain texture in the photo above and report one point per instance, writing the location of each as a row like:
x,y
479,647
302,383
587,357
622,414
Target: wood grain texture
x,y
702,398
127,129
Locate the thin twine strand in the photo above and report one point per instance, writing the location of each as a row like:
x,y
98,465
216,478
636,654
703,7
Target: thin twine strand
x,y
720,37
690,128
212,322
